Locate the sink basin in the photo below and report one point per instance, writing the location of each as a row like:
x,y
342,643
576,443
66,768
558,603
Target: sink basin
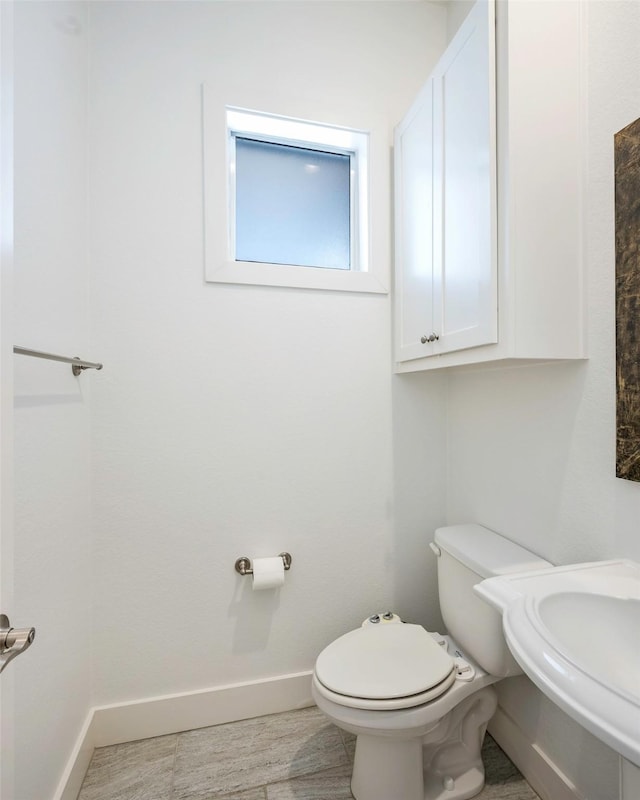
x,y
582,624
575,631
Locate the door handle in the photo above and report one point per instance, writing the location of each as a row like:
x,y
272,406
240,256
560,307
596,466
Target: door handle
x,y
13,641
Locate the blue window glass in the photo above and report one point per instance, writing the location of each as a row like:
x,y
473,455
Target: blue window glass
x,y
292,205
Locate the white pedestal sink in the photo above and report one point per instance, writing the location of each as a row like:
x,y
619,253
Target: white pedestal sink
x,y
575,631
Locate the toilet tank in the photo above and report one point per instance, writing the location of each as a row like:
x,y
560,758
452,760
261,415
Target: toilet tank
x,y
467,554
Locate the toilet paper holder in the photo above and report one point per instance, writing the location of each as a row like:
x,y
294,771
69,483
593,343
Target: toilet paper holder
x,y
243,564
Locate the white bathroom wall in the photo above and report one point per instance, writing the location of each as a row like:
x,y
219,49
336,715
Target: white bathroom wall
x,y
419,434
239,420
457,10
52,520
532,450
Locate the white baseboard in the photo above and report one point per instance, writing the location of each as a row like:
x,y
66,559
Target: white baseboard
x,y
539,770
78,763
158,716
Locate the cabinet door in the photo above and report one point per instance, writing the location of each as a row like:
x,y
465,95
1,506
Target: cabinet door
x,y
414,182
445,194
465,226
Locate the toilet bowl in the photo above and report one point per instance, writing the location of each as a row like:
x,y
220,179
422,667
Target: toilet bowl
x,y
419,702
400,711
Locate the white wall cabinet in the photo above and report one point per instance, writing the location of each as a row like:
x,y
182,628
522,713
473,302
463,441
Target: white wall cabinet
x,y
488,195
446,201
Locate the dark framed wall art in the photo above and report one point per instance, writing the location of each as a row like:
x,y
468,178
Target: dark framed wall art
x,y
627,239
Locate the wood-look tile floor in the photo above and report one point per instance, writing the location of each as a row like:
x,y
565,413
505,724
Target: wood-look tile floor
x,y
296,755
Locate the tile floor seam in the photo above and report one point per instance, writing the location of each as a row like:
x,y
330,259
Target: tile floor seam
x,y
344,747
173,770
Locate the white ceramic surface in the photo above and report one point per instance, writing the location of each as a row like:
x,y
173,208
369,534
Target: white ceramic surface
x,y
575,631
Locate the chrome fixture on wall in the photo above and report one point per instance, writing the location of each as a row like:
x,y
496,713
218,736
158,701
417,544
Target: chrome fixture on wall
x,y
78,364
13,641
243,564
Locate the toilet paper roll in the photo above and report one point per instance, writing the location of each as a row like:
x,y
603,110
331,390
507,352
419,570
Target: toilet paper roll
x,y
268,573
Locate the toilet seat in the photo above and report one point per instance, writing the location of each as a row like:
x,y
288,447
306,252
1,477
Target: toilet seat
x,y
384,667
395,704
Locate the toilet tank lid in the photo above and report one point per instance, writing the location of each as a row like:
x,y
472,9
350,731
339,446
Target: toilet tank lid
x,y
485,552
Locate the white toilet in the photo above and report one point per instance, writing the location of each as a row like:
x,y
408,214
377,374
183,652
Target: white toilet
x,y
419,702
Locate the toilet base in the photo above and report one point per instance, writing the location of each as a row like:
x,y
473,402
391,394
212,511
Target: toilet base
x,y
443,764
383,765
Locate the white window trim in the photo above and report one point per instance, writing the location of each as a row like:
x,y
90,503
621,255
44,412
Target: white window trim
x,y
220,126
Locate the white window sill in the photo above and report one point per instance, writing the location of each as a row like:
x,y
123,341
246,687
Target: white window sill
x,y
249,272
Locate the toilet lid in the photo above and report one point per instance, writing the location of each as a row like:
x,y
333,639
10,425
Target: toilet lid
x,y
383,662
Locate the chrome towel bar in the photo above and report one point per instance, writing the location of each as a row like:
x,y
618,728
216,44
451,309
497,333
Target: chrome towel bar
x,y
78,364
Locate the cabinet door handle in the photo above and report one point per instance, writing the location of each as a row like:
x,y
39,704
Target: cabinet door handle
x,y
428,339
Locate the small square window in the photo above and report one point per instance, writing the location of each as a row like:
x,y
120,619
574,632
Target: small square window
x,y
292,205
296,203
